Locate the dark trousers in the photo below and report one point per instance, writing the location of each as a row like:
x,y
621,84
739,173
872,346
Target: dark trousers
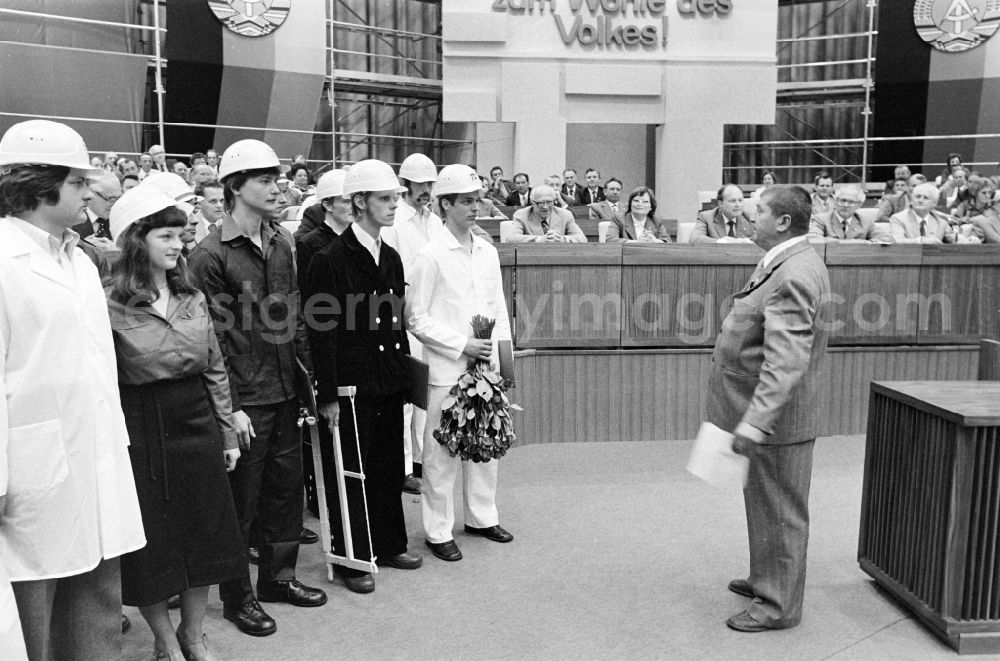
x,y
380,422
267,489
777,504
74,617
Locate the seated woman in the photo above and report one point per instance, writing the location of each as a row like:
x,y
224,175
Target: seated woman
x,y
175,395
301,180
639,222
983,210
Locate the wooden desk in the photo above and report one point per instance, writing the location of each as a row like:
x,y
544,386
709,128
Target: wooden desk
x,y
930,511
960,294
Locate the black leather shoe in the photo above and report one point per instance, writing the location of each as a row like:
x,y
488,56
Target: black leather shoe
x,y
445,550
253,553
744,622
741,587
407,560
418,469
126,623
291,592
308,537
493,533
250,618
412,485
361,584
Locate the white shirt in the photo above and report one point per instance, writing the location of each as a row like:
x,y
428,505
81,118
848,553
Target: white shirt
x,y
59,250
371,244
411,230
773,252
449,284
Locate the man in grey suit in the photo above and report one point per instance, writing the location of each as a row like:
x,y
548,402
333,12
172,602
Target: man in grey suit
x,y
726,223
844,223
543,222
764,387
611,207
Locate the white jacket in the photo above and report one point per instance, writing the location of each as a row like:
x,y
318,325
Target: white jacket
x,y
71,498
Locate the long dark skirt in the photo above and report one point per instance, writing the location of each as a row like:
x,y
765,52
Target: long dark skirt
x,y
192,535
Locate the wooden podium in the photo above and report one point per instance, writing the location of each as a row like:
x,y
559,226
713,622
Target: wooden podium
x,y
930,511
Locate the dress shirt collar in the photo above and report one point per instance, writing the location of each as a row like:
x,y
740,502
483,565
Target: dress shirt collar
x,y
776,250
372,245
55,248
449,241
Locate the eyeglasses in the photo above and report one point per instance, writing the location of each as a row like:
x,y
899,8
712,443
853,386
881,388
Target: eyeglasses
x,y
544,203
109,200
848,203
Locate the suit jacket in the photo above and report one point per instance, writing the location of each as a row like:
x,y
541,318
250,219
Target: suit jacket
x,y
587,198
771,350
829,225
514,199
602,210
575,199
905,226
710,226
499,194
620,230
890,205
528,226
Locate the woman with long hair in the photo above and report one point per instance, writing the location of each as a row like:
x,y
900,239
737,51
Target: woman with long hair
x,y
175,396
639,222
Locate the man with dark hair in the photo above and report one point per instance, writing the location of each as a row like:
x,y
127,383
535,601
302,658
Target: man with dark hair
x,y
520,196
106,190
199,158
726,223
610,208
210,210
500,188
246,271
890,205
570,192
68,505
822,197
594,192
764,387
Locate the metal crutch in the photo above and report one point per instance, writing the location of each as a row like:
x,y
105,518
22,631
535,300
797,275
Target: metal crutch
x,y
310,418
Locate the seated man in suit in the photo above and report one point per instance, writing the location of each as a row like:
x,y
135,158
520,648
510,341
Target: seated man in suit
x,y
499,189
822,197
921,223
519,197
96,228
569,191
594,192
844,223
725,223
610,208
542,222
890,205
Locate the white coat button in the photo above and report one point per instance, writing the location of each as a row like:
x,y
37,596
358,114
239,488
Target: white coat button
x,y
397,345
378,320
381,348
395,320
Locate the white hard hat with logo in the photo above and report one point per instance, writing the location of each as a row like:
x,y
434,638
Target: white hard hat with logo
x,y
43,142
418,168
457,178
247,155
331,184
171,184
135,204
369,176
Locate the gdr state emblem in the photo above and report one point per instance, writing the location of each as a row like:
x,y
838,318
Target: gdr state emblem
x,y
956,25
251,18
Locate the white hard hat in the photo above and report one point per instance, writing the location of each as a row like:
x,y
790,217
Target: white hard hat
x,y
136,204
371,175
331,184
171,184
457,178
247,155
417,167
42,142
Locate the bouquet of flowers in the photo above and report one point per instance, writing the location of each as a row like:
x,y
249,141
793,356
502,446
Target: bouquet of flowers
x,y
475,416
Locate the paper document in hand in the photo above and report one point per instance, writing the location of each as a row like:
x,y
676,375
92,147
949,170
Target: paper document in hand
x,y
713,460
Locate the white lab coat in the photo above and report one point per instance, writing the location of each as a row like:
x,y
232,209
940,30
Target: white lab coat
x,y
71,498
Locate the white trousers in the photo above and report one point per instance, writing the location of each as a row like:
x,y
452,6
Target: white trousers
x,y
11,640
479,482
413,420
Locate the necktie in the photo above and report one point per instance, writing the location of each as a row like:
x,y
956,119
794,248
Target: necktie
x,y
923,228
847,223
614,207
545,225
732,229
103,230
212,227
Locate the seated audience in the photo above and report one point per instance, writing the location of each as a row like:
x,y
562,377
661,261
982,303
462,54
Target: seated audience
x,y
520,196
954,160
984,210
570,192
901,172
594,192
485,207
639,223
499,188
889,206
726,223
822,197
954,190
301,180
844,223
555,181
767,180
543,222
921,223
979,198
610,208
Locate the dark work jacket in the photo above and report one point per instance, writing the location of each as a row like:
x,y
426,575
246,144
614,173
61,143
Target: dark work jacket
x,y
357,336
253,297
306,248
312,218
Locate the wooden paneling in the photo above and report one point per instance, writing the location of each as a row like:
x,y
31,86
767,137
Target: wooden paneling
x,y
641,395
568,295
872,285
960,294
507,274
678,295
989,360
